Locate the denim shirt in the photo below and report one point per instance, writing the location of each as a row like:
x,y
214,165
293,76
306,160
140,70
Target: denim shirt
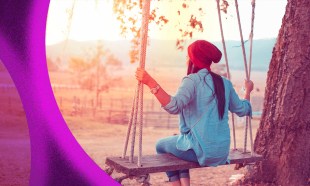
x,y
199,123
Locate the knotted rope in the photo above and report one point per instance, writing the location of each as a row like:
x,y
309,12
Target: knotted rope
x,y
250,65
136,115
227,66
248,119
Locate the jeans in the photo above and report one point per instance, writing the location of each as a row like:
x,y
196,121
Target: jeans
x,y
168,145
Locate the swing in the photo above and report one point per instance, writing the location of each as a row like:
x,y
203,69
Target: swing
x,y
131,166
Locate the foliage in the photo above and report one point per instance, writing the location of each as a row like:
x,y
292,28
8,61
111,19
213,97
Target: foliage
x,y
129,14
79,65
94,72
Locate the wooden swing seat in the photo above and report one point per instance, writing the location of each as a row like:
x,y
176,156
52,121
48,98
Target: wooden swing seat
x,y
168,162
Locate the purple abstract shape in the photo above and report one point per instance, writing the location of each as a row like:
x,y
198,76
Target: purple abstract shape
x,y
56,156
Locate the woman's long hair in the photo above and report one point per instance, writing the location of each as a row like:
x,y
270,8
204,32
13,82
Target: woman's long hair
x,y
219,89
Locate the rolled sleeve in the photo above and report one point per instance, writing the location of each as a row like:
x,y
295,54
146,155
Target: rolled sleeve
x,y
243,108
183,96
171,106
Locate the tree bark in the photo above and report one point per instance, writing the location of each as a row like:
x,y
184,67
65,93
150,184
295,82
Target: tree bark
x,y
283,137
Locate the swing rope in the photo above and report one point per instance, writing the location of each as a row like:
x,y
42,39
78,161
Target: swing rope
x,y
129,125
250,65
227,66
136,115
248,119
251,36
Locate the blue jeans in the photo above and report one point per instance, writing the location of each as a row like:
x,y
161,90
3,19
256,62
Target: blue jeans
x,y
168,145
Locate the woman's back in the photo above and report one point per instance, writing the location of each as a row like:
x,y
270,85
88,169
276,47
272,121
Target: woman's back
x,y
200,124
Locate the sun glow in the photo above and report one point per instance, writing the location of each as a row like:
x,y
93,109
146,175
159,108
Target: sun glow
x,y
94,20
90,20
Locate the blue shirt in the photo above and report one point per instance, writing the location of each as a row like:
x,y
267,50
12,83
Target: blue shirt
x,y
199,123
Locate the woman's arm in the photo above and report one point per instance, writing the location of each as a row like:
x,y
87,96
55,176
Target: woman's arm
x,y
160,93
238,106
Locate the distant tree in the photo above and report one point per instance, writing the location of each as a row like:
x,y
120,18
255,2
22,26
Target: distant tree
x,y
79,65
113,61
94,73
51,65
58,61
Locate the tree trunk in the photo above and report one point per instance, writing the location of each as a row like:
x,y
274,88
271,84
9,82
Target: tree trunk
x,y
283,137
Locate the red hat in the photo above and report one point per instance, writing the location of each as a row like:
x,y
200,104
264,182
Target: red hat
x,y
202,53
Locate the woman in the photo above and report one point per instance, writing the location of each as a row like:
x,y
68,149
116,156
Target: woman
x,y
202,102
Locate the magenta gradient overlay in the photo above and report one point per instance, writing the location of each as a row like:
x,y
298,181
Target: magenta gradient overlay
x,y
56,157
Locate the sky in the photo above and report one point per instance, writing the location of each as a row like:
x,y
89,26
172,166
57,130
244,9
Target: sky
x,y
94,20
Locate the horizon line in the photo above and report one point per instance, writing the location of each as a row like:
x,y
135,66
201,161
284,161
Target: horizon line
x,y
111,40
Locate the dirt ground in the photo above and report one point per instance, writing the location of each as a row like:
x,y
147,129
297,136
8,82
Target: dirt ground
x,y
99,140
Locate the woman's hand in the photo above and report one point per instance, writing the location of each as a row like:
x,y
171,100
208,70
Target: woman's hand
x,y
144,77
248,85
